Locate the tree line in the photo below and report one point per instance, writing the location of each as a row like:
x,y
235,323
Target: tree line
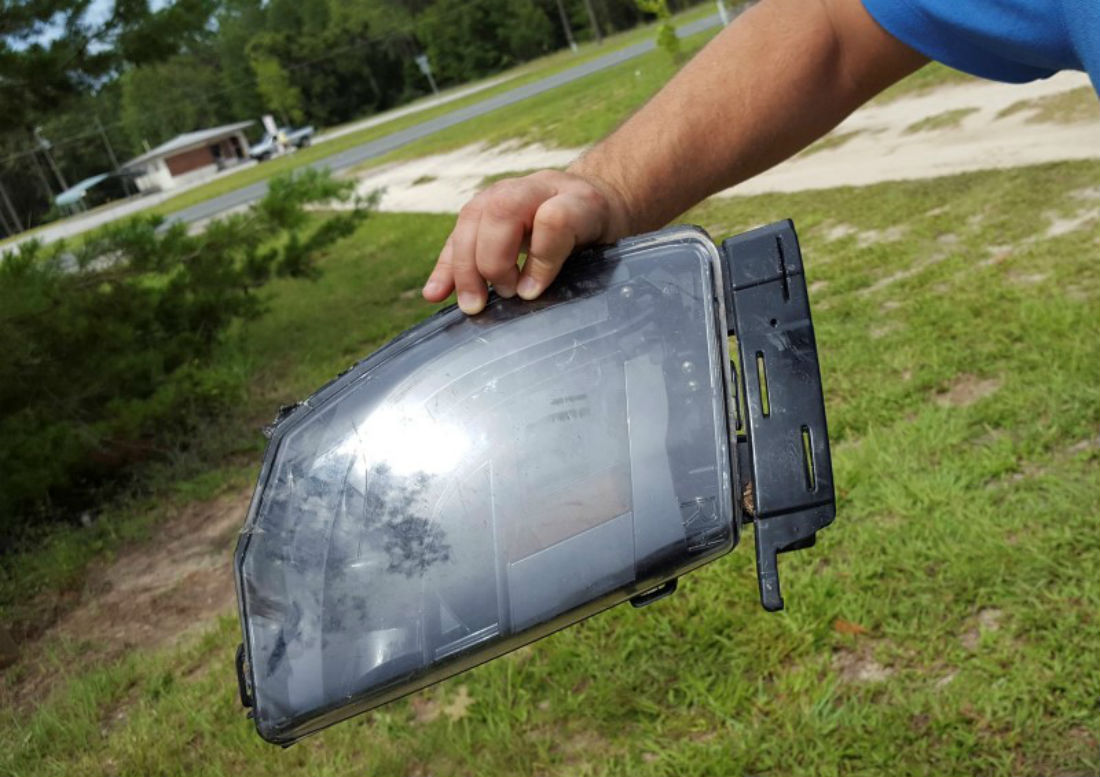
x,y
83,84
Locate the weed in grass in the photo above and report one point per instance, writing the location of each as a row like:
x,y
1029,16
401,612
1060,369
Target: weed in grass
x,y
489,180
831,141
1075,105
940,121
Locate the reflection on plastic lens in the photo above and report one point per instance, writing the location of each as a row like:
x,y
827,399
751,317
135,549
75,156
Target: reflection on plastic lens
x,y
413,442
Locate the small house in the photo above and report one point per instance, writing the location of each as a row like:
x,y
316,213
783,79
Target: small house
x,y
190,157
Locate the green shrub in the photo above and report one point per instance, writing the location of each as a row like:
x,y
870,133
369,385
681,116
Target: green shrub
x,y
667,39
109,346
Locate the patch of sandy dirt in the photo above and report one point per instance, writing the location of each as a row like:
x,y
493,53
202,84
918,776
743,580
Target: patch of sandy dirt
x,y
966,390
947,679
881,151
581,746
870,237
859,666
443,183
987,620
155,590
870,146
908,272
1081,446
996,254
864,237
1028,469
429,706
840,231
882,330
1027,278
1082,219
151,593
1057,225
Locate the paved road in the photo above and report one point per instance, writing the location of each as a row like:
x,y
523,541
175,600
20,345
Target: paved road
x,y
424,104
375,148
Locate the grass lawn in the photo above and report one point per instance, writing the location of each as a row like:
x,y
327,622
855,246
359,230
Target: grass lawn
x,y
946,624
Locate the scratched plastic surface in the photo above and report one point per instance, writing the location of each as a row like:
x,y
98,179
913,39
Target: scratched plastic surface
x,y
482,482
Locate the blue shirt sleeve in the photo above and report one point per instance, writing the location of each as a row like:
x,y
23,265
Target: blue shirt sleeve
x,y
1005,40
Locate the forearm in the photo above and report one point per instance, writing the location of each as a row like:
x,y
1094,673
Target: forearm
x,y
782,75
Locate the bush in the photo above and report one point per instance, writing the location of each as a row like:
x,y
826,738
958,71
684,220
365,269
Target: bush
x,y
109,346
667,39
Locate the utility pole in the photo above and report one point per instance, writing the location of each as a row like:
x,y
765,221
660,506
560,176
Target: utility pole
x,y
566,27
41,174
11,210
46,145
594,21
111,154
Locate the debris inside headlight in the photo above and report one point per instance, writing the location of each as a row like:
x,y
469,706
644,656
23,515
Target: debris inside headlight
x,y
481,482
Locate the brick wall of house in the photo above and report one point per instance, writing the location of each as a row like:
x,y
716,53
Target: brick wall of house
x,y
186,161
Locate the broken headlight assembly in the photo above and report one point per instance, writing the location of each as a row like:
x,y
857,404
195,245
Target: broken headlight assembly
x,y
481,482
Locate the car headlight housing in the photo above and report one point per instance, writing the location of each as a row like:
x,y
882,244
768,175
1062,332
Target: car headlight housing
x,y
481,482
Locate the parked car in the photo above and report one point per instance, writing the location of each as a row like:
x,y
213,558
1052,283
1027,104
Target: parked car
x,y
272,144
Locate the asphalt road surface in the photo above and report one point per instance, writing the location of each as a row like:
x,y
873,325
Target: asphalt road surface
x,y
375,148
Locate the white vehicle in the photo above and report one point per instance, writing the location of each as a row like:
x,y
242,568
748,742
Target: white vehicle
x,y
285,139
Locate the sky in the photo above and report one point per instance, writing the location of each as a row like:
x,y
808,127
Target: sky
x,y
97,12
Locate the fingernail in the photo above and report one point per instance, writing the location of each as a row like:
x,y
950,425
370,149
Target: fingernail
x,y
470,303
528,288
504,291
432,287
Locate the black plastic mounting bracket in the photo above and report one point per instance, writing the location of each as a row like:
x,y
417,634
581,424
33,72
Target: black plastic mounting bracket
x,y
784,468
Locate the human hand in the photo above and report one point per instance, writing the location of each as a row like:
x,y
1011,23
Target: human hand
x,y
545,215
